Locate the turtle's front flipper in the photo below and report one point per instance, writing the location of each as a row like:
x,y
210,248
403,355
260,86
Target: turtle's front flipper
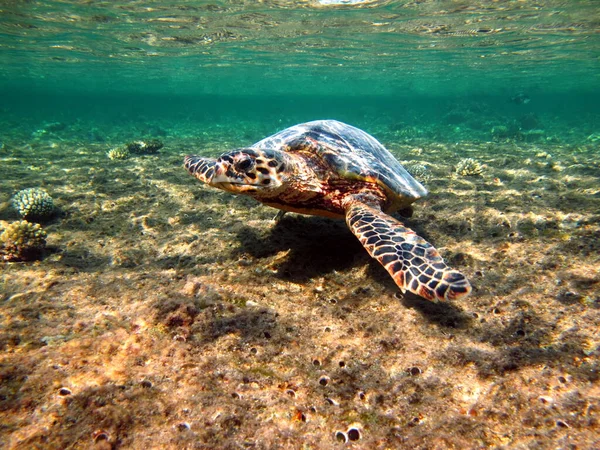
x,y
413,262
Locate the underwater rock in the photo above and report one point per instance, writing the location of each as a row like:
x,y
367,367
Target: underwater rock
x,y
33,204
145,147
469,167
22,241
118,153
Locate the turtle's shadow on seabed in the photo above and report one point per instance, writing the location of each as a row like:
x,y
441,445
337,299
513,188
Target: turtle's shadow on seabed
x,y
319,246
316,246
447,315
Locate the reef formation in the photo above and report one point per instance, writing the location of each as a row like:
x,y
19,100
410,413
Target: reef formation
x,y
33,204
22,241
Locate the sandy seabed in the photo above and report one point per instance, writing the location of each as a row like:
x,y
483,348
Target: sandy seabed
x,y
166,314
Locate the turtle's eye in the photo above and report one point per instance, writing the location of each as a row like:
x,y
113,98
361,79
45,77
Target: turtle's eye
x,y
244,164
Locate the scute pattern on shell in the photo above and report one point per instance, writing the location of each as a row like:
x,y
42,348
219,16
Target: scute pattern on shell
x,y
351,153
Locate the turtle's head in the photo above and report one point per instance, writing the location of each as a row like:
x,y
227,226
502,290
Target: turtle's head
x,y
243,171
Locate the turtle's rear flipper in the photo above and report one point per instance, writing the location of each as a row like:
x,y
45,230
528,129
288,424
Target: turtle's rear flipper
x,y
201,168
413,262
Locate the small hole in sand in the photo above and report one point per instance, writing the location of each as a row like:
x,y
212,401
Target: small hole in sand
x,y
100,435
353,434
340,436
414,421
183,426
414,371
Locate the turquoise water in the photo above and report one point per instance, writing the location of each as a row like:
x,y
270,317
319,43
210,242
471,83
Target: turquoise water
x,y
163,313
282,62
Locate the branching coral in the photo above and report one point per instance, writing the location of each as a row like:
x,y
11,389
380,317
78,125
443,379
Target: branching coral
x,y
118,153
469,167
419,171
33,204
22,241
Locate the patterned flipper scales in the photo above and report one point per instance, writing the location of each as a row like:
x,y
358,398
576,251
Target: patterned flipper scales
x,y
414,263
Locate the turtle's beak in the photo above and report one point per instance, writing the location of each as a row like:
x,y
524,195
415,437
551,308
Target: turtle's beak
x,y
226,178
202,168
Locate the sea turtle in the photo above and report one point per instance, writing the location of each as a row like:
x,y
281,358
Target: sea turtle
x,y
328,168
